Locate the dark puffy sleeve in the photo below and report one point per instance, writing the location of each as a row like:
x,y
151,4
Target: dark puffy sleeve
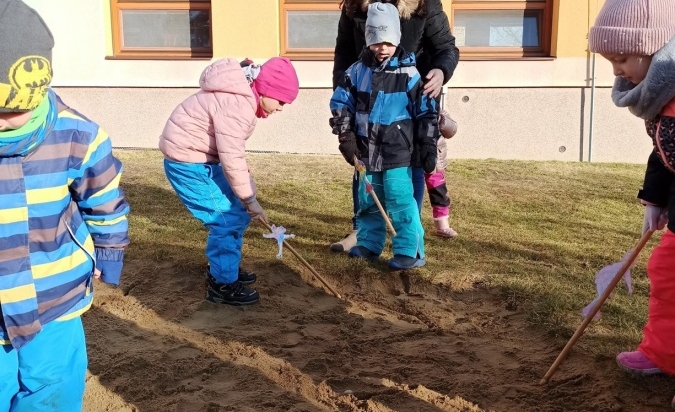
x,y
345,47
657,183
438,40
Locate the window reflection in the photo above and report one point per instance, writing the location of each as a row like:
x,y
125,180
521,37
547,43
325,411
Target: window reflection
x,y
504,28
166,29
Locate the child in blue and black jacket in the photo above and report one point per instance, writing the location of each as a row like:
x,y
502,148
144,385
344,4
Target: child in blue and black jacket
x,y
377,108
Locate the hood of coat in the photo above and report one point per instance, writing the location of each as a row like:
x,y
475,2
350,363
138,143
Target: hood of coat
x,y
406,8
225,76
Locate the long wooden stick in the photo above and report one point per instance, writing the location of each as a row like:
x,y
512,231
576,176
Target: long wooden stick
x,y
610,288
377,201
304,262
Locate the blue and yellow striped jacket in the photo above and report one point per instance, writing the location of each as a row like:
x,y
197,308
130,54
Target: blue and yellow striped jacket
x,y
60,210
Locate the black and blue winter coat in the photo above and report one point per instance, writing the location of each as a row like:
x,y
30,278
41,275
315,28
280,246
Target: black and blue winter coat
x,y
383,104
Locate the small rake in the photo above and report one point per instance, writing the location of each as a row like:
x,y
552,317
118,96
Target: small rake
x,y
304,262
361,170
601,300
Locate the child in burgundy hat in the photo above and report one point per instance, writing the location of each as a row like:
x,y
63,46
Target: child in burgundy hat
x,y
638,38
203,144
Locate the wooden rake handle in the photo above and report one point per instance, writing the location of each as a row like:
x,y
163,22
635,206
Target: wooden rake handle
x,y
304,262
377,202
610,288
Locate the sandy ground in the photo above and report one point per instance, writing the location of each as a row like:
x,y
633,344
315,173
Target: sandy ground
x,y
156,345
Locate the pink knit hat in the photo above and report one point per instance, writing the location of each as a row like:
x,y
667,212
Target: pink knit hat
x,y
278,80
634,27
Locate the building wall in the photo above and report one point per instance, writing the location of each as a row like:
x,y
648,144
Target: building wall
x,y
83,47
518,109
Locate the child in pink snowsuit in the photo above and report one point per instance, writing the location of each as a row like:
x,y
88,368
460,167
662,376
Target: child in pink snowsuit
x,y
638,38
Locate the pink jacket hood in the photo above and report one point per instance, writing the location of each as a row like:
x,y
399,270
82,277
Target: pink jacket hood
x,y
225,76
213,124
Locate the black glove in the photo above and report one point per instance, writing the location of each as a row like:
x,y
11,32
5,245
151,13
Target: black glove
x,y
348,147
428,157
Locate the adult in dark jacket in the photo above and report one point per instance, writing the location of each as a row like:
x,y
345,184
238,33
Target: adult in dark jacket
x,y
425,30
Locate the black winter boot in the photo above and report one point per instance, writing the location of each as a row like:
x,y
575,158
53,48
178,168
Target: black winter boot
x,y
244,277
230,293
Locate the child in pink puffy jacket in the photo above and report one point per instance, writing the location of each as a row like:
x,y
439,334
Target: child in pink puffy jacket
x,y
203,144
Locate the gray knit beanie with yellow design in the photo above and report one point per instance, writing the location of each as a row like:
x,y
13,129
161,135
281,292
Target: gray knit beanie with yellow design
x,y
25,57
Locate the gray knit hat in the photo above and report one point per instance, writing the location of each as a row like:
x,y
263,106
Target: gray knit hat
x,y
25,57
383,24
634,27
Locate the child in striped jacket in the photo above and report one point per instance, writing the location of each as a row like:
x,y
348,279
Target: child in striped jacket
x,y
62,223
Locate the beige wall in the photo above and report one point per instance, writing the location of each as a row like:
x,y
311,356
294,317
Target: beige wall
x,y
525,109
502,123
83,45
245,28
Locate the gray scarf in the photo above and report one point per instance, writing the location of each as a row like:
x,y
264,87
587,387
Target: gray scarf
x,y
647,99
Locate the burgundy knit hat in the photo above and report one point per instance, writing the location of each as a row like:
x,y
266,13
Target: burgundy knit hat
x,y
278,80
634,27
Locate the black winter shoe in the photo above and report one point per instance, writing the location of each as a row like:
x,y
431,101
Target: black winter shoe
x,y
246,278
231,293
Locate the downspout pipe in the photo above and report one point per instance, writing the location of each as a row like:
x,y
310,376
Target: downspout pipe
x,y
592,111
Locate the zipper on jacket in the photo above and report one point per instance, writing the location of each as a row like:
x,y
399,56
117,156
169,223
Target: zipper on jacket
x,y
77,242
405,138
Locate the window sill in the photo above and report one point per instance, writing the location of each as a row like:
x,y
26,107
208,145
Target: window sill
x,y
164,58
309,58
505,58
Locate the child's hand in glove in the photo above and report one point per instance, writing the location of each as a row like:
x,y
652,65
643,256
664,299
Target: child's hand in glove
x,y
655,218
254,209
348,147
428,157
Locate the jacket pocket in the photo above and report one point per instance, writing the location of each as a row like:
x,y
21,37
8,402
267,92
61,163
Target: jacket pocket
x,y
408,144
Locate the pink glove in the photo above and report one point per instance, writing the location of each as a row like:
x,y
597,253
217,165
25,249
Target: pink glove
x,y
655,218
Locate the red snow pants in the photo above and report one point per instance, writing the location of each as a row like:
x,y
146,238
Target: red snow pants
x,y
658,343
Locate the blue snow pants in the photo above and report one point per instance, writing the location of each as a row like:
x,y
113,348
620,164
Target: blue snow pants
x,y
419,186
205,192
394,189
48,373
418,191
